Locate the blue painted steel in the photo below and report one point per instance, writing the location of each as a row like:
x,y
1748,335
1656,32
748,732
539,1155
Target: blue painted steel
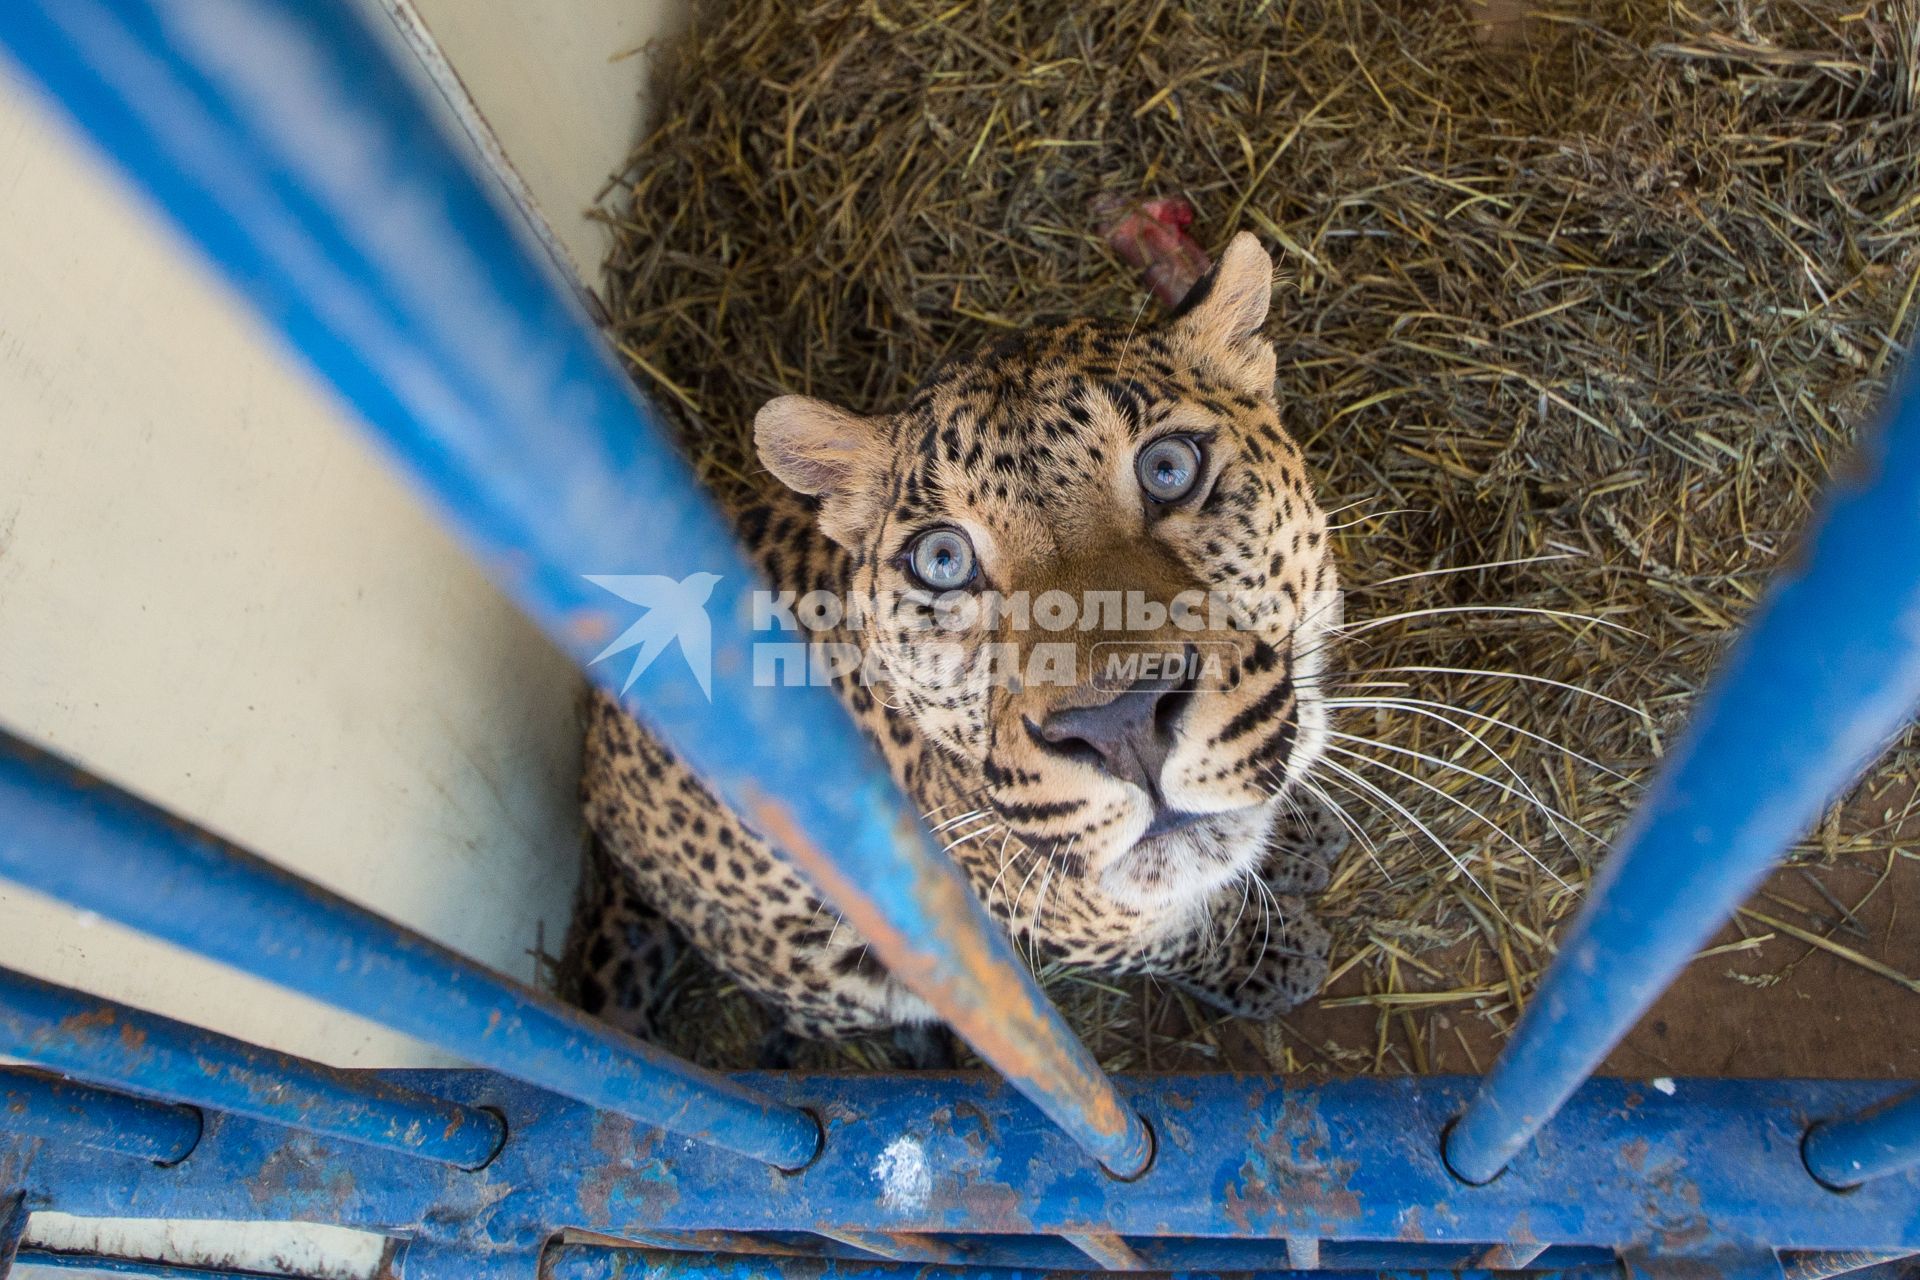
x,y
109,1043
1053,1253
1827,672
1872,1144
433,1260
589,1262
39,1107
140,1268
1244,1162
82,841
283,141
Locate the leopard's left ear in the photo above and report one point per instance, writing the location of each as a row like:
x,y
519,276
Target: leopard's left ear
x,y
1221,316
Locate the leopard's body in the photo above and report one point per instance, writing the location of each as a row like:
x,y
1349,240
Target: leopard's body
x,y
1193,867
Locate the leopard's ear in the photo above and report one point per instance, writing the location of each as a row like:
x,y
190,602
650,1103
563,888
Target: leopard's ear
x,y
823,451
1220,318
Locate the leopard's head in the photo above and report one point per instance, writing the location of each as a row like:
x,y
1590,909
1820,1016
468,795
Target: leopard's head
x,y
1091,562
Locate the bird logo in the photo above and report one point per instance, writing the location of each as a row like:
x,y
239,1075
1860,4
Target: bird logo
x,y
675,610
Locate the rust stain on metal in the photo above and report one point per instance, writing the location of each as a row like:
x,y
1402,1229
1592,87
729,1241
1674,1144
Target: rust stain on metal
x,y
589,626
92,1020
630,1184
988,1206
291,1171
986,1000
1289,1180
1674,1208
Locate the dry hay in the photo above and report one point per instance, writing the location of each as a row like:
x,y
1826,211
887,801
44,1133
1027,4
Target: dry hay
x,y
1593,298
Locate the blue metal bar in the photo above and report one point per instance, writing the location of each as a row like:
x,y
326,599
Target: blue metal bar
x,y
892,1246
41,1108
110,1043
1053,1253
591,1262
433,1260
1871,1144
75,838
280,138
1244,1163
139,1268
1826,673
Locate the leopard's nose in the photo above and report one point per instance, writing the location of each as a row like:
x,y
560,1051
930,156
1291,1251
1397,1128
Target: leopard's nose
x,y
1130,735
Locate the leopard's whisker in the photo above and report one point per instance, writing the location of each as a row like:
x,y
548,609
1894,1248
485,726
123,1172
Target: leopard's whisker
x,y
1006,862
1435,611
965,817
1456,801
1482,743
1372,515
989,829
1436,841
1461,568
1413,704
1524,792
1505,675
1246,891
1339,811
1269,907
1013,908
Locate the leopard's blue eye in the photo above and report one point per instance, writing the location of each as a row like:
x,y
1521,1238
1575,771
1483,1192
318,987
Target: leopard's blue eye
x,y
1169,468
942,559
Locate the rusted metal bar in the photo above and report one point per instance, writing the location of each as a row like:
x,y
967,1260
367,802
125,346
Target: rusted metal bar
x,y
1247,1162
1824,676
574,1262
1105,1248
39,1107
71,836
110,1043
486,382
1510,1257
898,1246
1881,1140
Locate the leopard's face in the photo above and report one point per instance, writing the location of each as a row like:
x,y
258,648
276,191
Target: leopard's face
x,y
1089,559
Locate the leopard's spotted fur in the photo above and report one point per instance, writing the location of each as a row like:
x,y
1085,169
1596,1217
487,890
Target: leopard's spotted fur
x,y
1029,448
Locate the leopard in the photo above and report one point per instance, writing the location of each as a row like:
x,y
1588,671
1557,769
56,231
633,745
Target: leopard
x,y
1157,822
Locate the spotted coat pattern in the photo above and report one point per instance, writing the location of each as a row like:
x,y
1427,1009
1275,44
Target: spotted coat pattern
x,y
1029,448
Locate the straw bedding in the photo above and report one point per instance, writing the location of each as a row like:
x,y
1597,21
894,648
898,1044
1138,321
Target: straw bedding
x,y
1592,299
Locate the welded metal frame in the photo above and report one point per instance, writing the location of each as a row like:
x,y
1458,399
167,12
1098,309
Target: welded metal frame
x,y
280,140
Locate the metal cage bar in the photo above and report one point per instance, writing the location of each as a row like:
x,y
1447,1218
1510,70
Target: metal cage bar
x,y
285,143
1874,1143
1245,1163
42,1107
282,141
70,836
1826,673
589,1262
113,1044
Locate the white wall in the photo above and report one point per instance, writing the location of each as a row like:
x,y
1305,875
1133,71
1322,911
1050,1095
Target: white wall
x,y
560,82
212,592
